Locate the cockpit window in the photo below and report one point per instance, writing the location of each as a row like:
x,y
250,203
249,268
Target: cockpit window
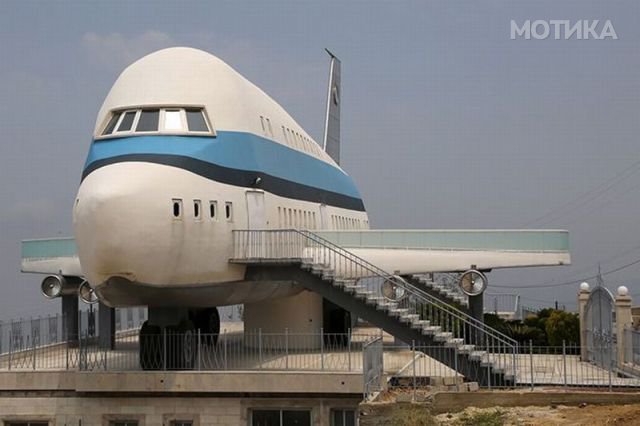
x,y
127,121
174,120
148,121
196,121
112,124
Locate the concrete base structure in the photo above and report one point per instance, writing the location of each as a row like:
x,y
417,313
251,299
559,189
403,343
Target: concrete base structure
x,y
224,398
155,411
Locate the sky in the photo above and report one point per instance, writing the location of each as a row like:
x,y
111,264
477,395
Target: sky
x,y
446,121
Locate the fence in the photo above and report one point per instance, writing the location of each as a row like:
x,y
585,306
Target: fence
x,y
411,367
503,304
227,351
39,343
632,347
535,366
372,367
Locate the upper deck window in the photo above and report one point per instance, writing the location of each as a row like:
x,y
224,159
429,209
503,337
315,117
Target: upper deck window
x,y
148,121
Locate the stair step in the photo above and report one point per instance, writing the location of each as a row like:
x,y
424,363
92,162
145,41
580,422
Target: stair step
x,y
387,306
409,318
477,355
328,275
443,336
413,318
455,342
431,329
375,300
398,312
419,324
354,288
487,363
466,349
343,283
363,294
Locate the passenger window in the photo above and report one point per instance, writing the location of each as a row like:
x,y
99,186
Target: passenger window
x,y
197,209
112,124
213,207
148,121
172,120
127,121
177,208
228,210
269,126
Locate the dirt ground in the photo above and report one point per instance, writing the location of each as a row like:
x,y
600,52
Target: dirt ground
x,y
592,415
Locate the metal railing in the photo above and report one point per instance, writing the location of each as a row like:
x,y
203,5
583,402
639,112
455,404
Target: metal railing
x,y
44,343
18,335
372,367
632,347
292,245
228,351
502,304
536,366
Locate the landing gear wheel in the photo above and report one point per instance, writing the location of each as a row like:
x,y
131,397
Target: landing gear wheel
x,y
186,350
208,321
150,347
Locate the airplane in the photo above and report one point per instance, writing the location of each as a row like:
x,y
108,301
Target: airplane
x,y
185,151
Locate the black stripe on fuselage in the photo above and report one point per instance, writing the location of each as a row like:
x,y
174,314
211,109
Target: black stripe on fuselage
x,y
237,177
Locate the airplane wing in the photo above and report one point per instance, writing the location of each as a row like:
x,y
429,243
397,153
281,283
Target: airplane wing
x,y
422,251
397,251
51,256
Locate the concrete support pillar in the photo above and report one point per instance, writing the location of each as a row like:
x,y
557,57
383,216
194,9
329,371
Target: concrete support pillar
x,y
476,307
70,324
583,298
623,320
106,327
300,314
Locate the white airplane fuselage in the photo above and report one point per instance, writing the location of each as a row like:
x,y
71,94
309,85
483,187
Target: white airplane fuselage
x,y
162,192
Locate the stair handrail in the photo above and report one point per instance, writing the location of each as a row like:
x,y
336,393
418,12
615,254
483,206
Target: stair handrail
x,y
394,280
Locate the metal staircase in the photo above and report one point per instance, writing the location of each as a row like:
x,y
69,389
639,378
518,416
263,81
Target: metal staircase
x,y
478,352
443,286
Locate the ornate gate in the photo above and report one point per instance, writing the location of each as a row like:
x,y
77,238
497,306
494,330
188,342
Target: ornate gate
x,y
600,332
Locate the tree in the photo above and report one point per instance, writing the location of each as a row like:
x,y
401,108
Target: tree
x,y
562,326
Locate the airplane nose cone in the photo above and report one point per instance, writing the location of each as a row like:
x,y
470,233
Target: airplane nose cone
x,y
113,219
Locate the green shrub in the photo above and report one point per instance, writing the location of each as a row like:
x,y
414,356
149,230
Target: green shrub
x,y
412,415
482,418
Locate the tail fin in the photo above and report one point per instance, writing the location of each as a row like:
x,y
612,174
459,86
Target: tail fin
x,y
332,119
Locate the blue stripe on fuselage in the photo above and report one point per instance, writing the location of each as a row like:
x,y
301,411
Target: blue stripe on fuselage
x,y
236,150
